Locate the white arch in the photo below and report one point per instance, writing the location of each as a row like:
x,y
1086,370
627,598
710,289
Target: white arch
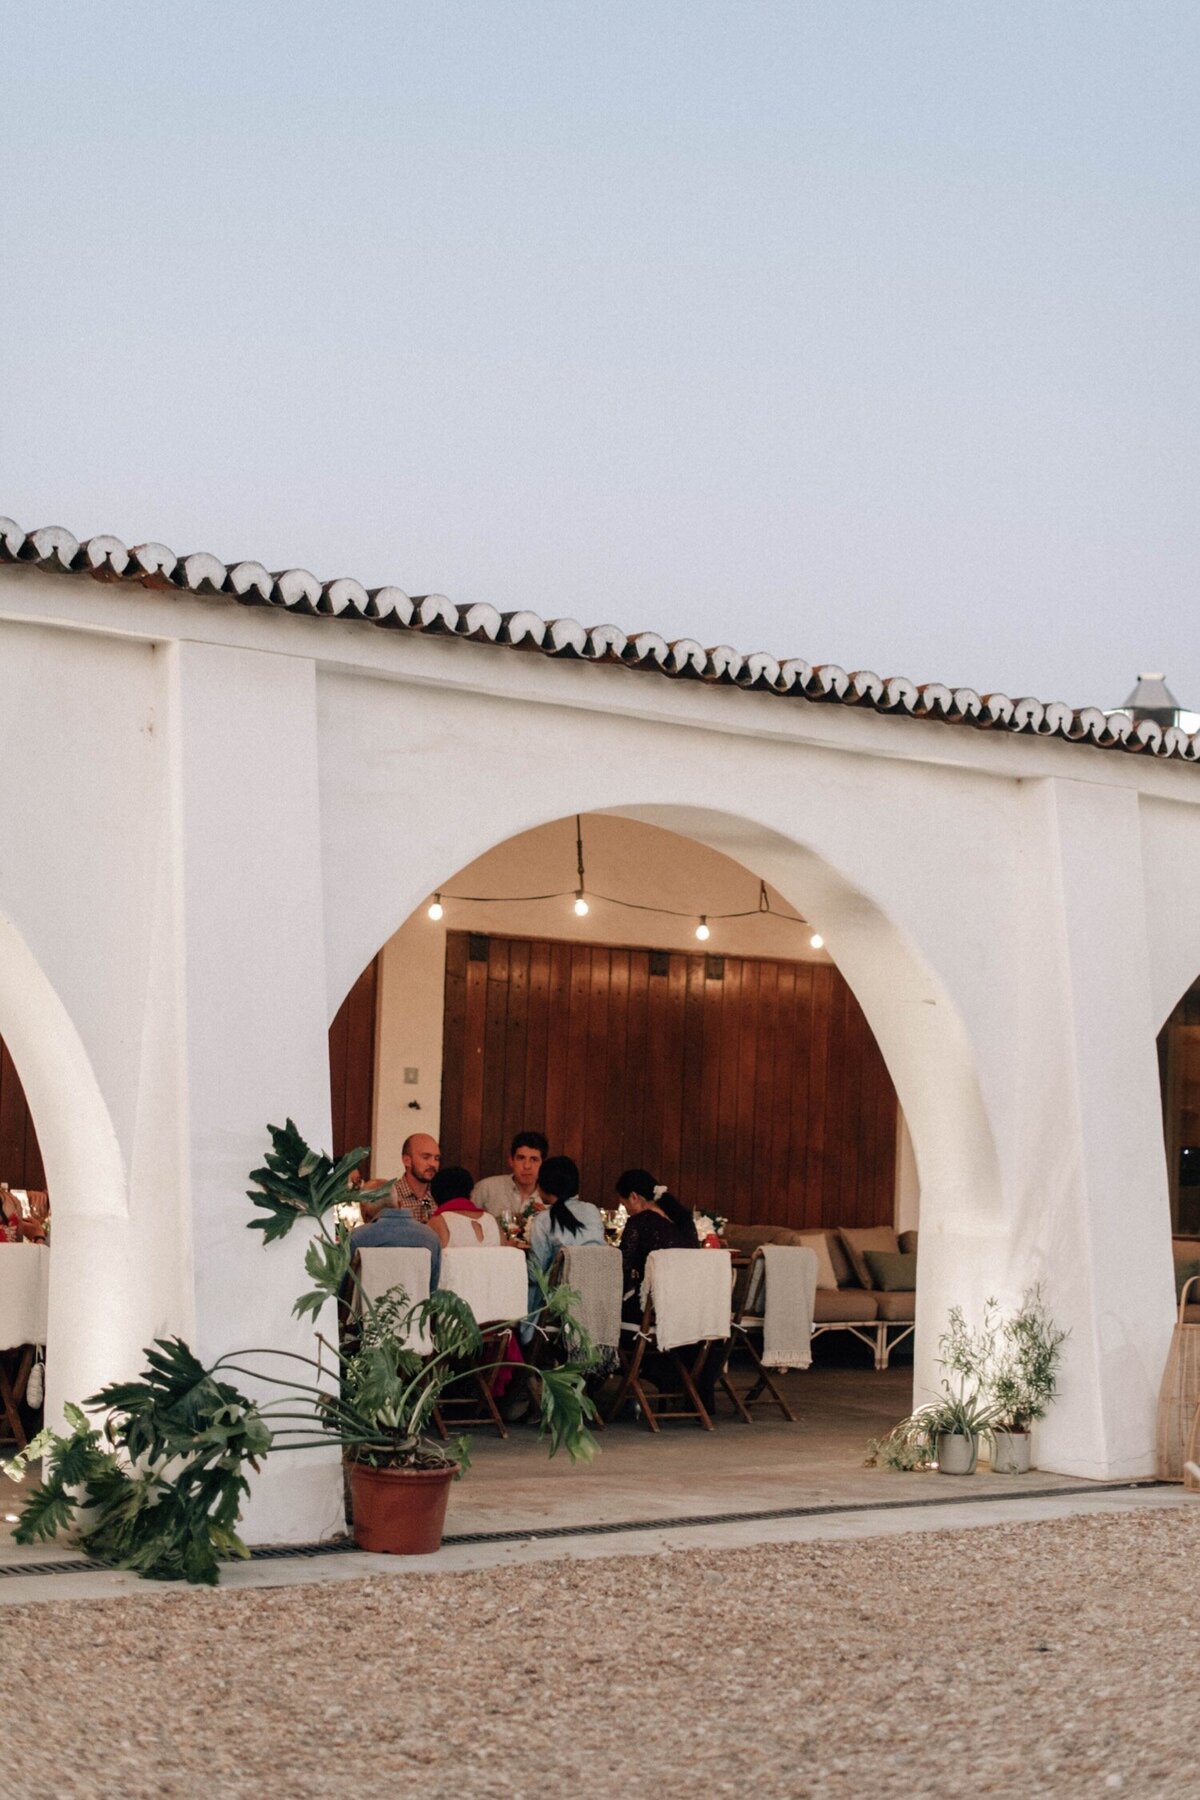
x,y
91,1273
85,1170
920,1032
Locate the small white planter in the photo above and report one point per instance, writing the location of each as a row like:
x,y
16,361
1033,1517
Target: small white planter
x,y
956,1455
1011,1452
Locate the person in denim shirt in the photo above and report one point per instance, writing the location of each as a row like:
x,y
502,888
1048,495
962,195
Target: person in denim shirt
x,y
396,1226
566,1220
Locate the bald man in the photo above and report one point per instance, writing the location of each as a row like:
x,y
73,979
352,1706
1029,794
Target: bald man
x,y
422,1159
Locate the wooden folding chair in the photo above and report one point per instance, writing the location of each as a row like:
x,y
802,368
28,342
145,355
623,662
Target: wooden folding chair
x,y
632,1361
478,1380
543,1351
474,1403
748,1322
15,1369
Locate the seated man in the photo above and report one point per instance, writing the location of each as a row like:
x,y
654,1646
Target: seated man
x,y
421,1156
395,1225
513,1192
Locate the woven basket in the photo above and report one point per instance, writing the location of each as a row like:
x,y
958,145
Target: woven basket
x,y
1180,1396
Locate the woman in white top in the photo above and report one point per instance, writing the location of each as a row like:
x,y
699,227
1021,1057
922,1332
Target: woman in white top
x,y
457,1222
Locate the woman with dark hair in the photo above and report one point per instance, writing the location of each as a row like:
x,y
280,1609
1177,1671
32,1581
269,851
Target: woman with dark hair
x,y
456,1220
566,1220
657,1221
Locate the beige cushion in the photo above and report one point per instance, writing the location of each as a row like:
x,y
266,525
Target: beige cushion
x,y
897,1309
819,1241
846,1306
858,1239
747,1237
843,1268
908,1241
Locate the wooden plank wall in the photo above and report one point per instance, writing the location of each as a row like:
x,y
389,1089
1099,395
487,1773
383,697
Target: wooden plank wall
x,y
761,1093
20,1153
352,1063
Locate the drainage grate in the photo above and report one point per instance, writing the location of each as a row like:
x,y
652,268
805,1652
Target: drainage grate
x,y
344,1546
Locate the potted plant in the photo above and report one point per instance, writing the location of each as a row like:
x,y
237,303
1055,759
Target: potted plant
x,y
944,1433
955,1423
1023,1381
160,1482
964,1411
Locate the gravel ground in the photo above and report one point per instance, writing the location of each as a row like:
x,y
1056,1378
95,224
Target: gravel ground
x,y
1053,1658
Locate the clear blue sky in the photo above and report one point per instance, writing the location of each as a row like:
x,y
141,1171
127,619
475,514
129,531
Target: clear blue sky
x,y
866,333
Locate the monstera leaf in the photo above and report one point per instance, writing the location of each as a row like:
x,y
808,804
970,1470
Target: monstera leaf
x,y
298,1182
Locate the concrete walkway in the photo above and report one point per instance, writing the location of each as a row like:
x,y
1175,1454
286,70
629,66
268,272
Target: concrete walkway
x,y
685,1489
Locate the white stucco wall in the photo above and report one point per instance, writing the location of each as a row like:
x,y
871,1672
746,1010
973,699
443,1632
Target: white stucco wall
x,y
216,816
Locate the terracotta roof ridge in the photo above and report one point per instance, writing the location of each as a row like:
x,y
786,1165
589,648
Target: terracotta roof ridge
x,y
247,583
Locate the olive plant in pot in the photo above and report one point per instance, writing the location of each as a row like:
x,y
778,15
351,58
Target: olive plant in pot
x,y
156,1482
965,1410
1023,1381
944,1433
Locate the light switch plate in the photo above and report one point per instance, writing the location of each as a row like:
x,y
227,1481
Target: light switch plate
x,y
411,1077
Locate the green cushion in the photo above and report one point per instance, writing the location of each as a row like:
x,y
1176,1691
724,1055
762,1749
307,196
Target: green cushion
x,y
1184,1272
891,1271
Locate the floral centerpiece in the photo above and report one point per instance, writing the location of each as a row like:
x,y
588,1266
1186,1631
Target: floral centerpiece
x,y
710,1229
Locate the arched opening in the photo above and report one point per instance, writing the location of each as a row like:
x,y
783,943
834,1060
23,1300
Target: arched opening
x,y
24,1265
788,1087
1179,1078
56,1137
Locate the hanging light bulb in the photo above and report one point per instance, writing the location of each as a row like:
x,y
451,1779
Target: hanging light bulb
x,y
702,931
581,905
817,941
436,909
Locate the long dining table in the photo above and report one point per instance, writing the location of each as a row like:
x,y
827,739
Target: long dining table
x,y
24,1297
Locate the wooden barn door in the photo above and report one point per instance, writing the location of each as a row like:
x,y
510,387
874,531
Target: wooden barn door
x,y
20,1153
352,1063
750,1086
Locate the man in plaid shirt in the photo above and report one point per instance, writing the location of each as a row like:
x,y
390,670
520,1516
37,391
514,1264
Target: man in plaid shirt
x,y
422,1158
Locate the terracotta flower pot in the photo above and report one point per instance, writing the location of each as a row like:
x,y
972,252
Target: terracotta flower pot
x,y
400,1512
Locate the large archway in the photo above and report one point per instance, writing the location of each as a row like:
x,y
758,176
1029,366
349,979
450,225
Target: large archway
x,y
87,1334
909,1030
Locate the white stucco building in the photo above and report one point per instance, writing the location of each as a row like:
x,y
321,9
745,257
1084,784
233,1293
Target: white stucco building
x,y
225,790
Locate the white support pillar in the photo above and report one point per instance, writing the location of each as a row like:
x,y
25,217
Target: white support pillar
x,y
255,1032
1091,1217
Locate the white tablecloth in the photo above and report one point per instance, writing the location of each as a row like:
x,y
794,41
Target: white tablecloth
x,y
24,1292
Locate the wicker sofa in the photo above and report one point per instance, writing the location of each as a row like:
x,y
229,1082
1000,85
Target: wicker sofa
x,y
879,1318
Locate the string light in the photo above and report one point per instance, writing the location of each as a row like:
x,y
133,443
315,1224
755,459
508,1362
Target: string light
x,y
580,894
581,905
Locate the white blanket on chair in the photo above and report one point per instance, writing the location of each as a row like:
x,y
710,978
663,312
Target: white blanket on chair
x,y
493,1282
790,1296
692,1292
382,1267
